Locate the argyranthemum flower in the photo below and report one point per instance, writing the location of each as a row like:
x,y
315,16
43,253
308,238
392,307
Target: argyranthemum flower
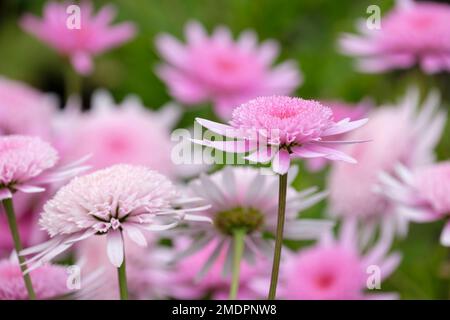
x,y
416,133
279,128
94,36
336,269
421,195
243,198
113,202
125,133
221,70
49,281
393,46
24,110
26,163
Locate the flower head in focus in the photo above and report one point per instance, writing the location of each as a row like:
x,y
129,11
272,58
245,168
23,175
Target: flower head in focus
x,y
221,70
94,36
335,269
421,195
414,134
278,128
243,198
112,202
411,33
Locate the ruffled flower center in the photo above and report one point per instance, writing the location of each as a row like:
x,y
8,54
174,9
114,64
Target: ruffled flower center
x,y
249,219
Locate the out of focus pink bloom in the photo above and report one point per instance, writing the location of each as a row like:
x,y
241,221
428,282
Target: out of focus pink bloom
x,y
243,197
49,281
401,134
27,164
421,195
192,280
216,68
278,128
411,33
126,133
95,35
118,201
24,110
340,112
149,274
336,269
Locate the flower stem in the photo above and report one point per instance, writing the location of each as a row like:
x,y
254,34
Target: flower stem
x,y
9,209
238,237
279,236
122,272
73,83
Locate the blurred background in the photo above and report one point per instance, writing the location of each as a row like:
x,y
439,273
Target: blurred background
x,y
307,31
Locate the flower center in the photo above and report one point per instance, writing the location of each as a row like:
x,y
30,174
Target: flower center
x,y
248,219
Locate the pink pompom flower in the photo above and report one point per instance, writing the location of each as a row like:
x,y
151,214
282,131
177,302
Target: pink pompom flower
x,y
278,128
243,198
421,195
336,269
221,70
118,200
416,133
411,33
27,164
93,36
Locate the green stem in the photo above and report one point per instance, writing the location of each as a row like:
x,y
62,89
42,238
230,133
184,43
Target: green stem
x,y
73,83
122,272
238,239
279,236
9,209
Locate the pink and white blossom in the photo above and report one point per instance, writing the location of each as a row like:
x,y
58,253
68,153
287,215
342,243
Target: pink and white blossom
x,y
216,68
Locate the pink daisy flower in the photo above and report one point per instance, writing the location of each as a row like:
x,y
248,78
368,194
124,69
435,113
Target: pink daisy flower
x,y
340,112
221,70
112,202
27,164
393,47
95,35
189,280
422,195
416,134
335,269
125,133
279,128
242,197
24,110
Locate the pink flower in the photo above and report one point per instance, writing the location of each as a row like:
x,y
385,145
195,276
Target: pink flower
x,y
190,279
243,197
148,271
393,46
279,128
25,164
335,269
340,111
221,70
422,195
401,135
49,281
24,110
94,36
126,133
109,202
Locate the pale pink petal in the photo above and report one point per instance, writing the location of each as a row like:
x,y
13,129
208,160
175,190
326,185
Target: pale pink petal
x,y
172,50
115,248
281,162
5,193
82,62
344,126
445,235
135,234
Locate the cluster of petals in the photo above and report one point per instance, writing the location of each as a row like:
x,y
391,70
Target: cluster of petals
x,y
216,68
278,128
93,36
413,33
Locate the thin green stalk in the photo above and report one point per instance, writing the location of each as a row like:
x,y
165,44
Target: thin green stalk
x,y
9,210
122,273
73,83
279,236
238,239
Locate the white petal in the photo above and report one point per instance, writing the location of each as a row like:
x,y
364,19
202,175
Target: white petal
x,y
445,235
114,248
135,235
281,162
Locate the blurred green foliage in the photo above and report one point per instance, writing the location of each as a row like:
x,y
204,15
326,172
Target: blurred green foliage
x,y
307,31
